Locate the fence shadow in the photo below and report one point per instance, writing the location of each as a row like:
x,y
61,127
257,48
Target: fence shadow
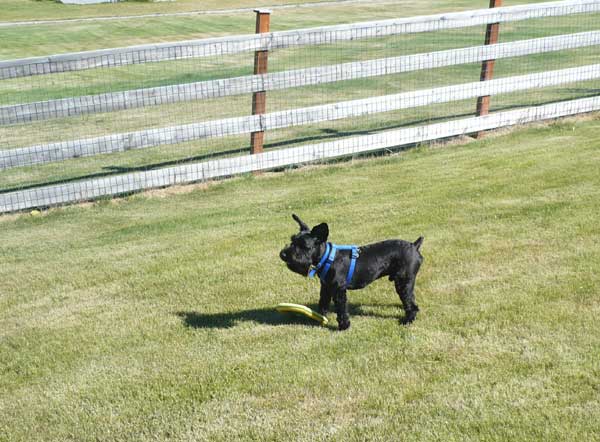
x,y
208,156
111,170
117,170
323,135
269,316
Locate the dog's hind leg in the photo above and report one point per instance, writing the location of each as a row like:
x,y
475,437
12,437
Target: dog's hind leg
x,y
341,308
405,287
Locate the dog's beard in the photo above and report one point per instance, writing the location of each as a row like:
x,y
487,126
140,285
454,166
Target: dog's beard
x,y
301,269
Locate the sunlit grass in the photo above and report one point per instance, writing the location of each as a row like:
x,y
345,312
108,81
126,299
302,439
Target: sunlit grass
x,y
90,35
152,317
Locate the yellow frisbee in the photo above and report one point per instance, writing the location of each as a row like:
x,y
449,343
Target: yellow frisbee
x,y
301,310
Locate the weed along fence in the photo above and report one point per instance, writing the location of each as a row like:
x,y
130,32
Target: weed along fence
x,y
87,125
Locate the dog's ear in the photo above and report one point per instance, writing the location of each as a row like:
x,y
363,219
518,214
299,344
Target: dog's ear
x,y
321,232
302,224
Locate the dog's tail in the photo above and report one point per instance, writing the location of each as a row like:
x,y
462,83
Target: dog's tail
x,y
418,242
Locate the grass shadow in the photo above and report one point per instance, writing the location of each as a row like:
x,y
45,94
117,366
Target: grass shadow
x,y
230,320
112,170
363,310
109,171
323,135
269,316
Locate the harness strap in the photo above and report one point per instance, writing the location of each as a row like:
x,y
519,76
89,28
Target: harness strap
x,y
329,261
313,270
328,258
353,259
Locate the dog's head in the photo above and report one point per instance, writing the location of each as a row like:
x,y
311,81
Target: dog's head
x,y
306,247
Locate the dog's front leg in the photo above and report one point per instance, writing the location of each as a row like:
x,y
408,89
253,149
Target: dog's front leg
x,y
324,299
341,308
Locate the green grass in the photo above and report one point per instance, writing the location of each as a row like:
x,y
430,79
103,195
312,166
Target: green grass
x,y
77,36
26,10
89,82
151,317
45,39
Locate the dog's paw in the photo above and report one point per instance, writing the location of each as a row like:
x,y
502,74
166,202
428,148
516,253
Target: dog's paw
x,y
343,325
411,315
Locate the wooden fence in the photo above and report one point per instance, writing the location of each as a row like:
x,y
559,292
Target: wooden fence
x,y
262,82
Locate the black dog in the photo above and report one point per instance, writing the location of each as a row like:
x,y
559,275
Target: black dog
x,y
342,268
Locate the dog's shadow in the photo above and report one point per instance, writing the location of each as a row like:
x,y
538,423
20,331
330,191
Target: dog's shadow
x,y
267,317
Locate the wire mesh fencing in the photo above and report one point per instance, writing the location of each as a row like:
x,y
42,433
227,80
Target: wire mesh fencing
x,y
80,126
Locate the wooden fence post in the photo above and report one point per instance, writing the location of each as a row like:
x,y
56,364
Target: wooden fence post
x,y
487,68
259,99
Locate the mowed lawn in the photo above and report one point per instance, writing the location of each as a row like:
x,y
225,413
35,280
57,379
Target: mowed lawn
x,y
44,39
151,317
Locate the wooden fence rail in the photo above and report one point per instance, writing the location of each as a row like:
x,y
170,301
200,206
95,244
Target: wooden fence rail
x,y
276,40
262,82
295,117
127,183
115,101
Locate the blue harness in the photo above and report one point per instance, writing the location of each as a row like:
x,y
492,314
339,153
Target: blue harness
x,y
327,259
